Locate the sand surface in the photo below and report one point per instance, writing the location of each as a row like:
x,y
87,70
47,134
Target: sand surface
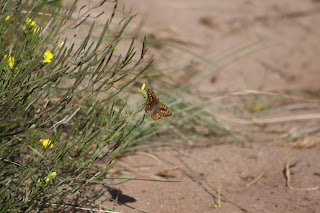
x,y
281,48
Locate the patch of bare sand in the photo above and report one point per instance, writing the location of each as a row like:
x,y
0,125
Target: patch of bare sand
x,y
236,167
286,58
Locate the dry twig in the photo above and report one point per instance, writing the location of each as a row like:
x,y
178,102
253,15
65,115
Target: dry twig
x,y
288,177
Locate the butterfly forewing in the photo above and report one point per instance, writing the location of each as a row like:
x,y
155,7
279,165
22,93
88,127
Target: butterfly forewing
x,y
152,101
152,98
164,110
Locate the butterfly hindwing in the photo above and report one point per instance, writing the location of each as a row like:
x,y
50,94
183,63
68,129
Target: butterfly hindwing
x,y
148,108
155,115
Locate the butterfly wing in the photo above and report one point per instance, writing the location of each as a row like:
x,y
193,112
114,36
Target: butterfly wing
x,y
148,108
164,110
152,98
155,115
152,101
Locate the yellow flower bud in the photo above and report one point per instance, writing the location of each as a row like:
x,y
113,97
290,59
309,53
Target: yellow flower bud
x,y
47,179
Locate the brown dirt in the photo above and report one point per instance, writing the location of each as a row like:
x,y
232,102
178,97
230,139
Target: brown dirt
x,y
288,60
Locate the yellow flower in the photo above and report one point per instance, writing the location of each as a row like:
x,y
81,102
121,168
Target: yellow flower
x,y
10,61
143,92
30,23
47,179
47,57
7,18
46,143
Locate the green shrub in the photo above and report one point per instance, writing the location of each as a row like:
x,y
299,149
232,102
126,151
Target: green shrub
x,y
59,106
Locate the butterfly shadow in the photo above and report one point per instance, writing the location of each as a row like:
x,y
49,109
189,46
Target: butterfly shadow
x,y
121,198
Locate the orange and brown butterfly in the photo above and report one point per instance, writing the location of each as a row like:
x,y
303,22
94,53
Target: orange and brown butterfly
x,y
156,108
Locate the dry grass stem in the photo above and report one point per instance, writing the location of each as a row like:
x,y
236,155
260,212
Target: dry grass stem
x,y
150,155
258,178
307,143
288,176
164,173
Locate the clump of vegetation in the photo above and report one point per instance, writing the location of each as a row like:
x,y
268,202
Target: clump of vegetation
x,y
59,107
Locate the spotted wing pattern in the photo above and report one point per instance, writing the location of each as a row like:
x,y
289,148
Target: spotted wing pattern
x,y
152,98
155,115
152,101
148,108
164,110
158,109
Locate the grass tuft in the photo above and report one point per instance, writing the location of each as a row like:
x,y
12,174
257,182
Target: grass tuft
x,y
60,111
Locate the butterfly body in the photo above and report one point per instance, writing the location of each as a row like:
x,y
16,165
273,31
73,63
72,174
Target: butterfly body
x,y
156,108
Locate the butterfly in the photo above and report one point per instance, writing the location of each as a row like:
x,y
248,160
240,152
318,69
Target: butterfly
x,y
157,108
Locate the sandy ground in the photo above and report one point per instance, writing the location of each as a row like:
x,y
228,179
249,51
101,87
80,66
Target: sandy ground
x,y
252,176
